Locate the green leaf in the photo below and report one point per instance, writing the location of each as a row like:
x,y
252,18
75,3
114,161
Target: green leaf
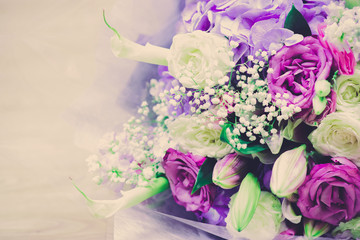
x,y
352,3
252,147
223,134
204,176
296,22
319,158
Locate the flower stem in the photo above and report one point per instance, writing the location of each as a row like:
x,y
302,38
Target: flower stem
x,y
107,208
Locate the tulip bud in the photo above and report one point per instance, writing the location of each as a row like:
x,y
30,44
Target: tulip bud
x,y
266,222
322,88
243,204
289,172
319,104
314,229
229,171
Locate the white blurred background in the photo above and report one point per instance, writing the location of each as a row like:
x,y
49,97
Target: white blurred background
x,y
47,60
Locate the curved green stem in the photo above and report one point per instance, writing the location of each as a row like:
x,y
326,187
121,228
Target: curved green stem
x,y
107,208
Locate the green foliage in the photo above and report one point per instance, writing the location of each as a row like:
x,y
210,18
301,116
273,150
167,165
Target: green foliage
x,y
252,147
296,22
204,176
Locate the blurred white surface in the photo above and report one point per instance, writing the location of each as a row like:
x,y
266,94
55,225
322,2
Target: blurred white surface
x,y
48,59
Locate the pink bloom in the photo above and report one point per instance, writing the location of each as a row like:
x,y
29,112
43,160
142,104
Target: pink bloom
x,y
296,69
330,193
181,170
344,59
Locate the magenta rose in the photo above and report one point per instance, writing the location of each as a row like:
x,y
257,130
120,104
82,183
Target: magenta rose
x,y
344,59
296,69
181,170
331,193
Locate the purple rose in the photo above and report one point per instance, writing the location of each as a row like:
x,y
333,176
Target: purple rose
x,y
331,193
219,209
296,68
181,170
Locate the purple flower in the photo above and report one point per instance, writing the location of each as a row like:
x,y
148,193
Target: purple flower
x,y
169,82
296,68
195,16
219,209
330,193
248,22
230,170
181,170
275,38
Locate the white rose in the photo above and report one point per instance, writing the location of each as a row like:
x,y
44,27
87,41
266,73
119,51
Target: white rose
x,y
338,135
193,134
347,90
199,59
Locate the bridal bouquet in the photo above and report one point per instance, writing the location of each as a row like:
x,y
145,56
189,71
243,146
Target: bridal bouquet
x,y
253,122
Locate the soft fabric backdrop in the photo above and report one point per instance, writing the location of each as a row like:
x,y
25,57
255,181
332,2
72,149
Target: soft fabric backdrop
x,y
48,59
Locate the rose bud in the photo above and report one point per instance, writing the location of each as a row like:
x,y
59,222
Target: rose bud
x,y
289,172
229,171
319,104
314,229
322,88
243,204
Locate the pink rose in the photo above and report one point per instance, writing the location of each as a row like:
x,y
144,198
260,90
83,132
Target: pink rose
x,y
330,193
181,170
344,60
296,69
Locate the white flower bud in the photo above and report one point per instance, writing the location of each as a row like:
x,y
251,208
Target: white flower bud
x,y
322,88
289,172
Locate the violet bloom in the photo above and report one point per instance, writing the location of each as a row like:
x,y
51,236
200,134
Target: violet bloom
x,y
169,81
219,209
181,170
248,22
295,70
331,193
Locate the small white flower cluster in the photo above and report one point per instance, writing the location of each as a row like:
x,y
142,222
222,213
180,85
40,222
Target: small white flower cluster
x,y
167,102
343,27
243,94
131,158
255,113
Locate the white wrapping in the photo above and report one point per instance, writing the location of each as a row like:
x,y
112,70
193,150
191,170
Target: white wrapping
x,y
120,83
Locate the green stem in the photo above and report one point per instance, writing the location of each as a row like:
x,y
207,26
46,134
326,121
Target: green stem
x,y
107,208
107,24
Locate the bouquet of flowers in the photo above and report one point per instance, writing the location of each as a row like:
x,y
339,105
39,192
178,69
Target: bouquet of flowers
x,y
253,122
